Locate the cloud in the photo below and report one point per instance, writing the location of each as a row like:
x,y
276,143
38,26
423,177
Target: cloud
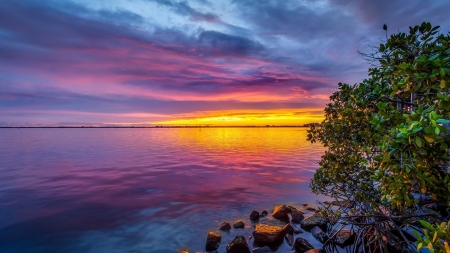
x,y
183,8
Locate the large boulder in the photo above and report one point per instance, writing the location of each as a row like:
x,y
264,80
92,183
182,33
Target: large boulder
x,y
213,241
314,220
344,238
225,226
238,245
281,212
288,229
254,216
319,234
301,245
265,234
239,224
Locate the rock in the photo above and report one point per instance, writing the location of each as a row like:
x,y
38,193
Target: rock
x,y
344,238
288,229
250,237
238,245
239,224
318,233
213,241
296,229
312,209
304,204
301,245
314,220
184,251
265,234
264,213
315,251
296,215
289,239
254,216
281,212
225,226
264,249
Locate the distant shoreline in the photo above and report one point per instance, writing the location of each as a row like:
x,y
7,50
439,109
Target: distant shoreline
x,y
90,127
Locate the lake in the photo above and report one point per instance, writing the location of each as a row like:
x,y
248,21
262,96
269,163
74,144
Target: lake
x,y
145,190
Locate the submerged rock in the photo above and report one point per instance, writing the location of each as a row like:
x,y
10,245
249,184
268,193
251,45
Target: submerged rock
x,y
281,212
312,209
225,226
314,220
343,203
265,234
239,224
301,245
212,241
289,239
264,249
254,216
344,238
264,213
319,234
238,245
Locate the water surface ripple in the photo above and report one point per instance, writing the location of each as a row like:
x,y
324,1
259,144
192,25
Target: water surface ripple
x,y
144,190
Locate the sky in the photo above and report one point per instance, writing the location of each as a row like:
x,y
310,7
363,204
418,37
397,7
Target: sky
x,y
196,62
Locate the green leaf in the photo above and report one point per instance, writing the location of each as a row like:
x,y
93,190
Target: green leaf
x,y
426,225
442,84
403,65
418,141
437,131
432,58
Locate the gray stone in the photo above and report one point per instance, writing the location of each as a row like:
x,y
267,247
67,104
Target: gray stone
x,y
225,226
312,221
239,224
213,241
296,215
238,245
301,245
265,234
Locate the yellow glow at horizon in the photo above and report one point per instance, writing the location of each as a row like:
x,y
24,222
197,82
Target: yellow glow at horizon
x,y
286,117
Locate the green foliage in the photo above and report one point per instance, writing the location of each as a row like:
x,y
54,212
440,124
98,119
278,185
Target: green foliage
x,y
385,136
435,238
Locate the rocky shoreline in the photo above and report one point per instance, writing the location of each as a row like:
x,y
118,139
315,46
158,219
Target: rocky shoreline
x,y
285,225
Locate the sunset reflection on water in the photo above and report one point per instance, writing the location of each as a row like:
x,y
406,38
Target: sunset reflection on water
x,y
143,190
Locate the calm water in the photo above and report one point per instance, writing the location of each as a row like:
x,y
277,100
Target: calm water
x,y
144,190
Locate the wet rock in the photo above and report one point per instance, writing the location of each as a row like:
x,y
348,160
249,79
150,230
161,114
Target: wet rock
x,y
288,229
264,249
265,234
304,204
312,209
184,251
301,245
319,234
238,245
250,237
213,241
254,216
225,226
312,221
344,238
297,230
264,213
281,212
315,251
239,224
296,215
289,239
